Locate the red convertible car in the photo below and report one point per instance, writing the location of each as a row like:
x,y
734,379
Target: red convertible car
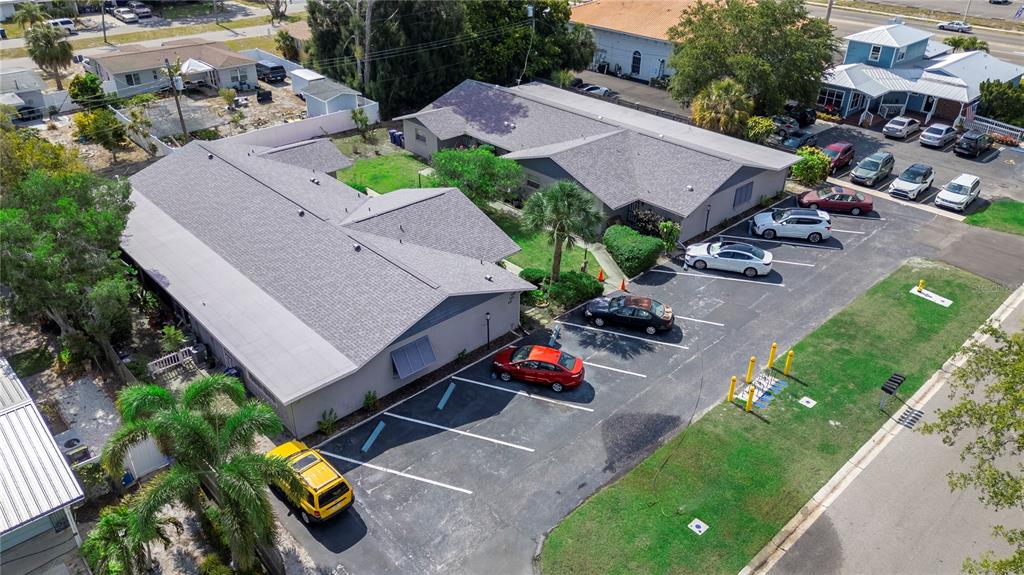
x,y
836,199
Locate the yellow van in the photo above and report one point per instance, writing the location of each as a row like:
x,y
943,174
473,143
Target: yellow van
x,y
327,492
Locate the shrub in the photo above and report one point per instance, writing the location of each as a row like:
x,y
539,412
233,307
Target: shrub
x,y
228,95
812,169
633,252
826,117
212,565
647,222
171,339
370,400
1005,140
574,287
328,420
759,128
668,231
535,276
533,297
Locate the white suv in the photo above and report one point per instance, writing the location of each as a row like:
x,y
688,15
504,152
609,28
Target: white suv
x,y
812,225
959,193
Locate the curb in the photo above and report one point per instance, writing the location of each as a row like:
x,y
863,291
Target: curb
x,y
895,15
770,554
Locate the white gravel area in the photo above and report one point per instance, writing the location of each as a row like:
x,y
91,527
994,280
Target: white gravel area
x,y
88,411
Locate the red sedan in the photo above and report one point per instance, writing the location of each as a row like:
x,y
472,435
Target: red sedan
x,y
539,364
840,154
836,199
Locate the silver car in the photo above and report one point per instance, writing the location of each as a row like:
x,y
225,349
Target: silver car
x,y
938,135
125,15
901,127
738,257
802,223
955,26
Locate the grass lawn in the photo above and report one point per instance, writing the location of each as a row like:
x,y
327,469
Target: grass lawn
x,y
1003,215
168,32
13,29
32,361
537,252
384,174
747,477
266,43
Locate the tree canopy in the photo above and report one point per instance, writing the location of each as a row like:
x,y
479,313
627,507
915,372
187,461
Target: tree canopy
x,y
723,106
49,49
987,421
1002,101
566,213
480,174
774,48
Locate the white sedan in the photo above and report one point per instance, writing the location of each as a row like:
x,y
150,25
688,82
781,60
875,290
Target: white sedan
x,y
738,257
901,127
956,26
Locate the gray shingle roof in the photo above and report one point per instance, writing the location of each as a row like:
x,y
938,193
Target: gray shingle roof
x,y
14,80
239,219
320,155
619,154
327,89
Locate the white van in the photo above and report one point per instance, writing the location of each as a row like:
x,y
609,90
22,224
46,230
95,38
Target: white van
x,y
65,24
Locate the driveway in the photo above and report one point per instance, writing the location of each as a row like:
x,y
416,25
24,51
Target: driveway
x,y
630,91
471,484
1001,169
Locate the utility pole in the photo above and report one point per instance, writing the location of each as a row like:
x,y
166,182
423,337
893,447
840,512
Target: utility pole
x,y
828,11
177,103
966,10
366,44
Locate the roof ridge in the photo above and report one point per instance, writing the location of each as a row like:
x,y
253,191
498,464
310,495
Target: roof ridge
x,y
395,261
351,219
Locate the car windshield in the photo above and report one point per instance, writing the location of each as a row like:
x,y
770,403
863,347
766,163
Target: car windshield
x,y
777,215
522,353
830,153
859,196
332,494
957,188
567,361
657,309
913,175
616,303
870,165
935,131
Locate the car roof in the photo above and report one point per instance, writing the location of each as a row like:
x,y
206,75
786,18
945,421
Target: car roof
x,y
940,126
965,179
838,146
973,134
918,167
739,247
804,212
879,156
543,353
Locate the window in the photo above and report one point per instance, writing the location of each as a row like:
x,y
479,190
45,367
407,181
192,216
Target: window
x,y
132,79
830,98
857,102
532,184
239,76
635,68
876,53
901,54
743,194
419,136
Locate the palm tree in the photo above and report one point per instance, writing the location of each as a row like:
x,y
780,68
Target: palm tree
x,y
562,78
29,13
566,212
49,49
211,441
966,43
119,543
723,106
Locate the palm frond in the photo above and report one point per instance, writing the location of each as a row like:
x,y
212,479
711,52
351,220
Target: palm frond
x,y
201,394
140,401
241,427
178,483
193,439
117,447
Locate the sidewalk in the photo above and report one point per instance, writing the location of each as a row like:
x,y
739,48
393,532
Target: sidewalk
x,y
890,510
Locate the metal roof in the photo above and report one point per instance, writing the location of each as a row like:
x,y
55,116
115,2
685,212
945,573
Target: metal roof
x,y
35,479
325,89
895,35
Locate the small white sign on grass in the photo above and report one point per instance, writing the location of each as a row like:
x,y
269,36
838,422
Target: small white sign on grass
x,y
807,402
932,297
698,526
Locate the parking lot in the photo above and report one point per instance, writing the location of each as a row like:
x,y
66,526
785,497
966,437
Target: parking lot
x,y
473,486
1001,169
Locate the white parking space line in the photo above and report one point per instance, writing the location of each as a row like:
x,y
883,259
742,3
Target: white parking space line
x,y
793,263
835,231
621,334
396,472
798,244
613,369
524,394
684,318
851,216
459,431
696,275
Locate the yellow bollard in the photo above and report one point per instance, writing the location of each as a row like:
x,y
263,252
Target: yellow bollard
x,y
771,355
789,363
750,369
920,285
732,389
750,398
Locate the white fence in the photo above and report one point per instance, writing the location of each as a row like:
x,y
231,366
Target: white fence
x,y
995,127
151,145
59,102
170,361
258,54
284,134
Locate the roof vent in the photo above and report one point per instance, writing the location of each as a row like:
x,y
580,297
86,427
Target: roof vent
x,y
401,228
689,188
357,247
315,181
489,277
209,156
302,213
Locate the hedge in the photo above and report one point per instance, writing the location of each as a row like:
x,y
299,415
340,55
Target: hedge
x,y
634,252
574,287
535,276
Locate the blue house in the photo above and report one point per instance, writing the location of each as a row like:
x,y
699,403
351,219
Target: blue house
x,y
896,69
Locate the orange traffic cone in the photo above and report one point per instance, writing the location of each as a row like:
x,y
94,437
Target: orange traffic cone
x,y
600,274
622,286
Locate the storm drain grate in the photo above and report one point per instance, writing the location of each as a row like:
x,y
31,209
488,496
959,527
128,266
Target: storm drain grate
x,y
910,417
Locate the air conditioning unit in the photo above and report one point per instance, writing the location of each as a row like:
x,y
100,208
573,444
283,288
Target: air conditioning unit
x,y
72,447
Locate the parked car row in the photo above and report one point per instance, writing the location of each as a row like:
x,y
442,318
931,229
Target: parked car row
x,y
970,143
130,12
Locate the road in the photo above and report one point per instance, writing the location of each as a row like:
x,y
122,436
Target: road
x,y
979,8
899,516
1004,45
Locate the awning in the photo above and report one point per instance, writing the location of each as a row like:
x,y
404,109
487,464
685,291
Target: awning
x,y
11,99
193,66
413,357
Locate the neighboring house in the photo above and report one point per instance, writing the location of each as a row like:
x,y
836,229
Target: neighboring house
x,y
37,486
631,35
325,96
301,33
22,89
318,293
7,7
630,160
134,69
896,69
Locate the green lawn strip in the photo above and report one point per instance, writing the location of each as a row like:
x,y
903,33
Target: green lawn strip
x,y
1004,215
13,29
266,43
384,174
168,32
537,252
31,361
746,477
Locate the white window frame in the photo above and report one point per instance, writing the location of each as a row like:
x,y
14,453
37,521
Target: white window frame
x,y
856,101
875,53
828,95
239,76
132,79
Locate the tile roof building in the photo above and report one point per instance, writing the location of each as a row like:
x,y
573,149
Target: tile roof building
x,y
315,291
629,160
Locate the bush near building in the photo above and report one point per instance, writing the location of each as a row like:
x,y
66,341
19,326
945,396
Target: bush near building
x,y
573,288
633,251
